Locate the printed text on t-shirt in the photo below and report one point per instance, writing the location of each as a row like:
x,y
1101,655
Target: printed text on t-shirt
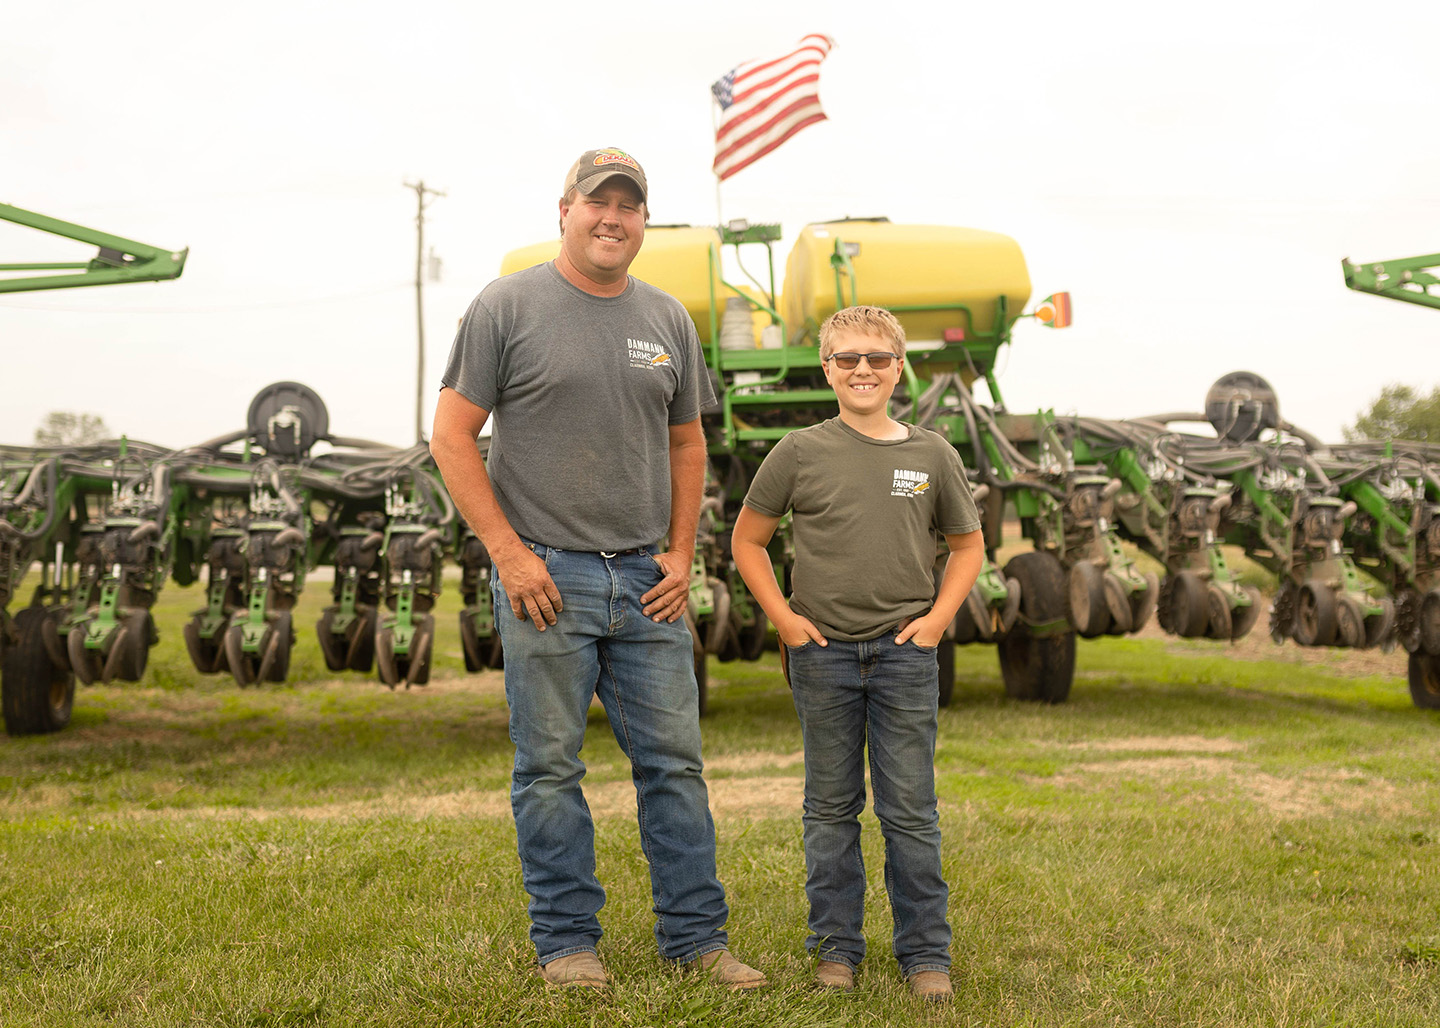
x,y
647,355
910,483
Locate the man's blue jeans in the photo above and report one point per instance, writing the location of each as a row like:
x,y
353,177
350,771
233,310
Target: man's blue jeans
x,y
847,695
644,674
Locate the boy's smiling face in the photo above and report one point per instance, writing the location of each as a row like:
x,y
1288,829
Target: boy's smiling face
x,y
863,390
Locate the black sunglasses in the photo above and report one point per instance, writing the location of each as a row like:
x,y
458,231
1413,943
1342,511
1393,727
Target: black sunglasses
x,y
878,361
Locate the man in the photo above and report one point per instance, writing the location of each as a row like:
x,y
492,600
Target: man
x,y
596,380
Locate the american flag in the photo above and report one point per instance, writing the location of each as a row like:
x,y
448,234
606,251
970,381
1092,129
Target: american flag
x,y
764,103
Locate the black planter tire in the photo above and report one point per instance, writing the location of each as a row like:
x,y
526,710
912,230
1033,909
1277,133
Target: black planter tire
x,y
38,696
1039,668
1425,680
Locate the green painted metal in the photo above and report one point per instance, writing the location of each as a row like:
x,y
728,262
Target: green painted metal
x,y
1408,278
119,260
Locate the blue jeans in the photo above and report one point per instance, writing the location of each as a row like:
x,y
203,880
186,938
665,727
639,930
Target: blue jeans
x,y
847,695
644,674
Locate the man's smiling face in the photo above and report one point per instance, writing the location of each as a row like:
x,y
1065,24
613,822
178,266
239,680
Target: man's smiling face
x,y
601,232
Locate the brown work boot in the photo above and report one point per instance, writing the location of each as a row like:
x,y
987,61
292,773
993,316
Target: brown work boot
x,y
722,966
577,971
933,986
833,974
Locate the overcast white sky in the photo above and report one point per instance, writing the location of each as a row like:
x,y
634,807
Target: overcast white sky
x,y
1193,174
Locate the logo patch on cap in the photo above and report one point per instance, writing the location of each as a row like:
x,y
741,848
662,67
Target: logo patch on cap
x,y
615,157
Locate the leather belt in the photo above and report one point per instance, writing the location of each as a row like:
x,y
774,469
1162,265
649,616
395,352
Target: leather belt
x,y
624,553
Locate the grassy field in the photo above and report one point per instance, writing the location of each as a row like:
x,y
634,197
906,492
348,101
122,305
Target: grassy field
x,y
1197,838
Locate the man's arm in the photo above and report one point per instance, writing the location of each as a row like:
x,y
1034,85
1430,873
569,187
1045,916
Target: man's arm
x,y
962,567
531,591
687,486
748,540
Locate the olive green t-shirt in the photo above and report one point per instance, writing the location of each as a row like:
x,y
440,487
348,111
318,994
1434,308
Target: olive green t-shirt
x,y
868,515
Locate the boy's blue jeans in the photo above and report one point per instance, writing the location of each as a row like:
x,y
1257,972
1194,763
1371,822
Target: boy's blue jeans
x,y
848,694
643,672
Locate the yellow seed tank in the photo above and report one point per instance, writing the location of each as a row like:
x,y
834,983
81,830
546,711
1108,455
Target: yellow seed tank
x,y
932,266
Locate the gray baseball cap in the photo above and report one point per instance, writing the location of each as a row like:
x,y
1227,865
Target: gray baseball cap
x,y
596,166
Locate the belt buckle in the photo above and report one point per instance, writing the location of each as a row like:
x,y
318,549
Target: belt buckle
x,y
607,556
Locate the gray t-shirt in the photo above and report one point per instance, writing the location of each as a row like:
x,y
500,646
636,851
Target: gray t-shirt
x,y
866,517
582,390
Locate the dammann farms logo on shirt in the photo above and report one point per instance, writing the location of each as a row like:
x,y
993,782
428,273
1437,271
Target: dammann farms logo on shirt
x,y
647,355
910,483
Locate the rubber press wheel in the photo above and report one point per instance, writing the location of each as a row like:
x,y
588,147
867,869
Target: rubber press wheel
x,y
1038,667
702,682
422,648
333,645
1189,605
1088,611
244,667
1243,619
470,643
1315,610
1349,623
360,639
1218,623
275,650
208,655
38,695
753,637
129,652
88,664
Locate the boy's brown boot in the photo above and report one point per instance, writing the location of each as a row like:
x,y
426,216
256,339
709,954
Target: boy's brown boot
x,y
933,986
577,971
832,974
722,966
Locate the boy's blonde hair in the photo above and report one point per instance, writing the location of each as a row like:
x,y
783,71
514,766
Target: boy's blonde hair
x,y
872,321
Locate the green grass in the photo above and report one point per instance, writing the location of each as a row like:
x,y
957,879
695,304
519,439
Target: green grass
x,y
1191,840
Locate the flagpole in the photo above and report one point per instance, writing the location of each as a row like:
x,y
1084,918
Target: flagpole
x,y
715,131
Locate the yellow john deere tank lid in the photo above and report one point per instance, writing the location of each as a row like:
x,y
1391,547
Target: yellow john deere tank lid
x,y
930,266
676,259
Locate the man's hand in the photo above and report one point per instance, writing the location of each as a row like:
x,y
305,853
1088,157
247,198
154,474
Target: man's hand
x,y
531,590
797,631
667,601
924,631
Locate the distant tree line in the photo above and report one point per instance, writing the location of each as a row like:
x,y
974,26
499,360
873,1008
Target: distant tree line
x,y
1399,412
66,428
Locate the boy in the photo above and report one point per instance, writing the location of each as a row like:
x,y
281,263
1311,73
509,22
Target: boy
x,y
862,633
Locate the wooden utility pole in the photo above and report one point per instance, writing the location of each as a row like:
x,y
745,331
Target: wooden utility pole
x,y
421,192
